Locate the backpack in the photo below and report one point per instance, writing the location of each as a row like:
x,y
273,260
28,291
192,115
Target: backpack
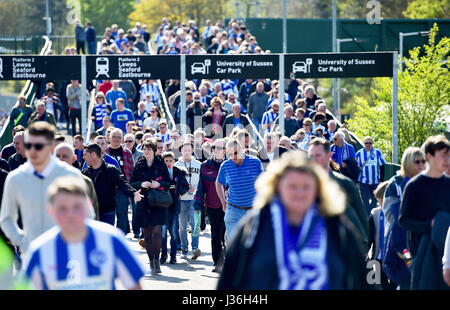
x,y
394,267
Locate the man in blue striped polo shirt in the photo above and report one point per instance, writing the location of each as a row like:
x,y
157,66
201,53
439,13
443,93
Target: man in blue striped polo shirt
x,y
239,173
269,117
370,161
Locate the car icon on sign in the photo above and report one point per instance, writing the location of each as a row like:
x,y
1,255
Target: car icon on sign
x,y
299,66
198,67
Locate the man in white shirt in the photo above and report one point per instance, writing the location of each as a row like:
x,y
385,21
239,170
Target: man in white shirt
x,y
26,187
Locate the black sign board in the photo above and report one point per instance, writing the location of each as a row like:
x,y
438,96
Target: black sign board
x,y
232,66
40,68
133,67
338,65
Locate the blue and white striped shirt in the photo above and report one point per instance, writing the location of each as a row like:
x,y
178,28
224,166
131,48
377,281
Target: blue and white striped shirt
x,y
241,180
268,117
94,264
165,138
100,112
153,90
370,174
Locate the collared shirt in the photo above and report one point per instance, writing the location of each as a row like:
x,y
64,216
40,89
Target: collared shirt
x,y
47,170
370,174
241,180
269,117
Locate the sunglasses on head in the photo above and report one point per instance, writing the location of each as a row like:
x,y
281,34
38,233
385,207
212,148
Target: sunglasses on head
x,y
37,146
420,161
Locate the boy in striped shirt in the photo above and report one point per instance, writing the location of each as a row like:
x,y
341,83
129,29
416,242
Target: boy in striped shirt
x,y
370,161
79,253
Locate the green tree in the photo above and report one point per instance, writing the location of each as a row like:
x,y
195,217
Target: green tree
x,y
428,9
423,99
103,14
151,12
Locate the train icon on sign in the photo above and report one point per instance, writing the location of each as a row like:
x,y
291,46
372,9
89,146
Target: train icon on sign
x,y
102,66
200,67
302,66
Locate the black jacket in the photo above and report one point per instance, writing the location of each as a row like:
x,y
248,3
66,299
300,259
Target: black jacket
x,y
105,183
15,161
227,127
142,173
208,120
194,111
178,186
250,263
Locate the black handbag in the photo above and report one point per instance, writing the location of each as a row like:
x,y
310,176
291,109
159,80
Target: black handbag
x,y
159,198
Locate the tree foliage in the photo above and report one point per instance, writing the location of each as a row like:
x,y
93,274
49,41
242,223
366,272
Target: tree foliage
x,y
151,12
103,14
423,99
418,9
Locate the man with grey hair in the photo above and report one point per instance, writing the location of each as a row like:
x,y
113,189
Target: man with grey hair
x,y
332,126
19,157
344,155
239,173
66,153
40,115
311,97
130,144
236,119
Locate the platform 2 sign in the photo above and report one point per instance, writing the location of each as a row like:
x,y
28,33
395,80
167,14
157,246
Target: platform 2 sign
x,y
40,68
133,67
232,66
339,65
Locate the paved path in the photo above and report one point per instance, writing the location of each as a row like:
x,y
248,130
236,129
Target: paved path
x,y
186,274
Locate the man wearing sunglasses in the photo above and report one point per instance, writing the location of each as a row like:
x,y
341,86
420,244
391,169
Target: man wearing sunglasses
x,y
371,162
26,187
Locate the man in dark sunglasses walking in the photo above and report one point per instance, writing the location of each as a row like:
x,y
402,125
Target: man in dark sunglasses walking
x,y
26,187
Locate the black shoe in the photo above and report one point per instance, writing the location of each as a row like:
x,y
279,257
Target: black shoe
x,y
157,266
152,266
163,258
197,253
217,269
173,260
202,226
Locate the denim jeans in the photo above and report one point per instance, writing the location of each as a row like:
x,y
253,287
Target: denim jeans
x,y
187,215
122,212
232,217
108,217
172,227
366,194
92,47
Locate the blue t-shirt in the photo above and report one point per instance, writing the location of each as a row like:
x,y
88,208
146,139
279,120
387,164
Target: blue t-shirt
x,y
241,180
112,95
120,119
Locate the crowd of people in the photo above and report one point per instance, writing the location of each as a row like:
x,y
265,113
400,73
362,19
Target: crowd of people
x,y
295,210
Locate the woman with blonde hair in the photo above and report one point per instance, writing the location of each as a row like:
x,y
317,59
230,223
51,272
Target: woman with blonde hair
x,y
296,236
413,162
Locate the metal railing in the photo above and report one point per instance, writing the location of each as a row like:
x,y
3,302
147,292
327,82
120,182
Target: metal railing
x,y
29,91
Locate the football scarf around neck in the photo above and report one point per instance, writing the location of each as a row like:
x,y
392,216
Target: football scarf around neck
x,y
301,254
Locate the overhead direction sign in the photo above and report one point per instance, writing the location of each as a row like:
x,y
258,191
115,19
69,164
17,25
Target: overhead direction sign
x,y
338,65
133,67
40,68
232,66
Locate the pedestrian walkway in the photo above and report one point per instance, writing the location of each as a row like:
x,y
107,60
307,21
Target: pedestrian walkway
x,y
186,274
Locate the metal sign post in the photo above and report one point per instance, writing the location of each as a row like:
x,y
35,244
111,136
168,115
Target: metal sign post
x,y
281,95
183,125
395,108
84,105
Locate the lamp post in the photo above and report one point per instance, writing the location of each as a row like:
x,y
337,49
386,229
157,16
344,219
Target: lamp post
x,y
48,19
401,35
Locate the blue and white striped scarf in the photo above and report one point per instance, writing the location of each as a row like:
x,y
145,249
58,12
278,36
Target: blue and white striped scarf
x,y
301,255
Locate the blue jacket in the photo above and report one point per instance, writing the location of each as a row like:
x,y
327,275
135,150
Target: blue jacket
x,y
90,34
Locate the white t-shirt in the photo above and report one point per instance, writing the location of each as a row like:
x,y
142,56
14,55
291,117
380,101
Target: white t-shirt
x,y
446,258
148,122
